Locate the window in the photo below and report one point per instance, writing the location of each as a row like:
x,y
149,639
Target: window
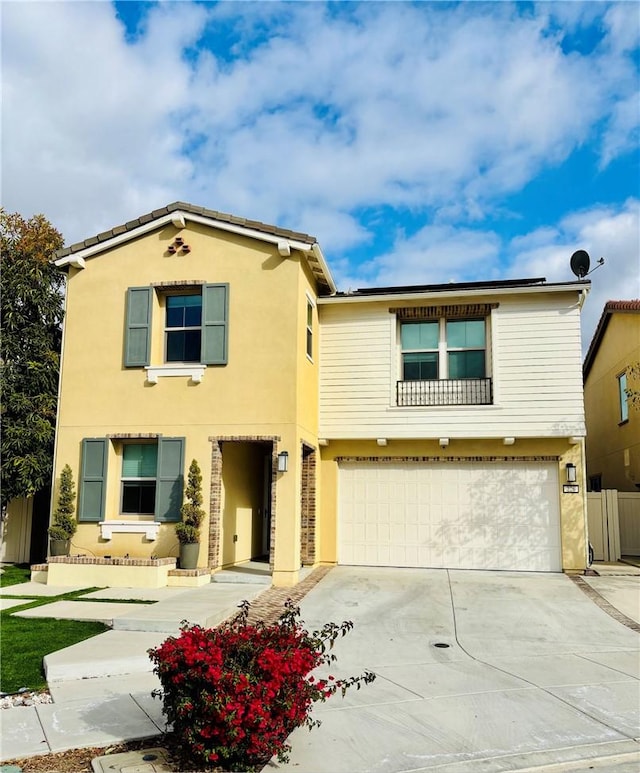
x,y
420,350
183,328
595,482
151,478
195,325
622,397
309,329
443,349
465,348
139,469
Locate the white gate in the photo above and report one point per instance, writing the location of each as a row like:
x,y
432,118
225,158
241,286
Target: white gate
x,y
614,524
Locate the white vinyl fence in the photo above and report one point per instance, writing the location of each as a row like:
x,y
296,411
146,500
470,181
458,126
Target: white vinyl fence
x,y
614,524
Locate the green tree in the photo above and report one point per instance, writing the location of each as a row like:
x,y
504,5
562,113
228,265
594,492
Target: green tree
x,y
32,310
188,530
64,524
633,385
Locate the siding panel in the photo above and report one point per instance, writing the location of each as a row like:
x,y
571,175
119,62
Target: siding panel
x,y
535,363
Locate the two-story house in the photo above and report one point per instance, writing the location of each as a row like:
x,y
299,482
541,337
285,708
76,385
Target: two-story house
x,y
613,424
433,426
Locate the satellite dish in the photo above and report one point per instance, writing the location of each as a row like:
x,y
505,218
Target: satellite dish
x,y
580,263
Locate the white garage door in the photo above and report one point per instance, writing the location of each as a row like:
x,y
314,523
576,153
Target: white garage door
x,y
481,515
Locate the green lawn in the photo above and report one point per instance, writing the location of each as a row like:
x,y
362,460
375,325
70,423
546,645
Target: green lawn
x,y
15,573
25,641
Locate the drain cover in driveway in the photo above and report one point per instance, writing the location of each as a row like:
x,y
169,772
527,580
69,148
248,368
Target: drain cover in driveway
x,y
141,761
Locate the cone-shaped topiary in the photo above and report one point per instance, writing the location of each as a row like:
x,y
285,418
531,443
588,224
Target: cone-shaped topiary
x,y
64,524
188,530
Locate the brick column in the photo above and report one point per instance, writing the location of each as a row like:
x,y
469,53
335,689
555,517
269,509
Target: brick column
x,y
215,515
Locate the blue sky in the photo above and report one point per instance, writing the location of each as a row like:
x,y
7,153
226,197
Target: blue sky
x,y
419,142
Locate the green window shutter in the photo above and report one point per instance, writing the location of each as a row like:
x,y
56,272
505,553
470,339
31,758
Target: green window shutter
x,y
170,479
93,477
215,325
137,345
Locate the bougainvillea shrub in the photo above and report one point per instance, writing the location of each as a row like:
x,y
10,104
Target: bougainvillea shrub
x,y
233,694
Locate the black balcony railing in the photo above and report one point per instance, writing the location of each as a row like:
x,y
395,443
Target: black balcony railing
x,y
456,391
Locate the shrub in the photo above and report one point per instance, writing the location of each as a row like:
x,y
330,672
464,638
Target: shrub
x,y
188,530
64,524
234,693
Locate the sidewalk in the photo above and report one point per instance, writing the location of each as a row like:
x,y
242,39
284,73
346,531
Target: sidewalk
x,y
514,671
102,686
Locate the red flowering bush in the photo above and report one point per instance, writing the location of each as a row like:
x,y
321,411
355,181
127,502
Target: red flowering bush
x,y
234,693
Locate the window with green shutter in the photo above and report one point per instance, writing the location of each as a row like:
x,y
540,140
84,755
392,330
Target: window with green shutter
x,y
215,327
169,479
137,347
93,473
196,324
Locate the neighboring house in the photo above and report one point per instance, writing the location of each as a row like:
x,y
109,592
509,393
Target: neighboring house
x,y
425,426
613,423
23,531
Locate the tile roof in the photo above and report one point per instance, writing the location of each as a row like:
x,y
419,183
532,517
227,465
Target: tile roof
x,y
610,307
182,206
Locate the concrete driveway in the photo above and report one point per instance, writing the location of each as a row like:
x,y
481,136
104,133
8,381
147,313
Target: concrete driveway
x,y
477,671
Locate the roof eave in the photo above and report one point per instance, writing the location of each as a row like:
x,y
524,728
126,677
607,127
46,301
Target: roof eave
x,y
76,255
444,291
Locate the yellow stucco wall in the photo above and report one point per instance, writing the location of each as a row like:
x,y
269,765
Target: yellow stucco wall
x,y
613,448
572,506
268,388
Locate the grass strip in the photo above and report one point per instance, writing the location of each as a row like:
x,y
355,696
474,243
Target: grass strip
x,y
25,641
13,574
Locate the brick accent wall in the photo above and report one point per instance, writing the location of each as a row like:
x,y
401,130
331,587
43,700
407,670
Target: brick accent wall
x,y
394,459
450,312
215,492
116,561
215,514
308,507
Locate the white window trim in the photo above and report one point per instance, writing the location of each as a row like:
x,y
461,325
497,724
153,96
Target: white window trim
x,y
150,529
307,329
194,370
443,348
623,400
165,343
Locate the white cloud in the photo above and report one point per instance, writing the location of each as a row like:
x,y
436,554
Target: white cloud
x,y
92,123
436,254
441,254
612,233
315,114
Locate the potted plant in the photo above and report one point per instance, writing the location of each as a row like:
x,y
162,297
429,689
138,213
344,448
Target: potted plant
x,y
188,530
64,524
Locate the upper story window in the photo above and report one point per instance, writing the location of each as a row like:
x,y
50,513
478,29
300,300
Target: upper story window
x,y
623,398
466,348
309,329
420,342
183,328
443,349
194,323
444,354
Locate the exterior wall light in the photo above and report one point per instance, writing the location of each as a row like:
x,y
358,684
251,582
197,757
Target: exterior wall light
x,y
571,473
283,461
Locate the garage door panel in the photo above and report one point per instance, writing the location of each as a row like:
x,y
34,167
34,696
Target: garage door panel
x,y
493,515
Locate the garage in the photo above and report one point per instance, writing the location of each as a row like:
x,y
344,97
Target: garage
x,y
458,515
